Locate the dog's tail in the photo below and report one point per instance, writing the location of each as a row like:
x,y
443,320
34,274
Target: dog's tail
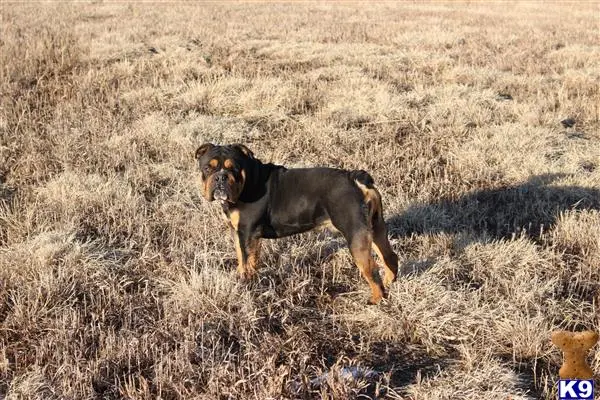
x,y
363,178
366,184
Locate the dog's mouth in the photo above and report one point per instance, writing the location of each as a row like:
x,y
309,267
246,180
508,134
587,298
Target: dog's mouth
x,y
221,195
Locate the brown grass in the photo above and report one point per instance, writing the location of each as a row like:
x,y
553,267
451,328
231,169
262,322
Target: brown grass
x,y
117,280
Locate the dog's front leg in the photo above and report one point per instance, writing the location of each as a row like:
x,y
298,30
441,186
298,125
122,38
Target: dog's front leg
x,y
248,251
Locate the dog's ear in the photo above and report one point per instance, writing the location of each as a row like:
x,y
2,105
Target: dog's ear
x,y
244,150
200,151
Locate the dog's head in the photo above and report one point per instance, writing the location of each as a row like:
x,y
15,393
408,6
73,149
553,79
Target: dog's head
x,y
223,171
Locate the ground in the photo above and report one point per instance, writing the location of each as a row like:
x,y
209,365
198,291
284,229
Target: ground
x,y
117,280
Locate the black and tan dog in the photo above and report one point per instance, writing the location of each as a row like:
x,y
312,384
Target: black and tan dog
x,y
270,201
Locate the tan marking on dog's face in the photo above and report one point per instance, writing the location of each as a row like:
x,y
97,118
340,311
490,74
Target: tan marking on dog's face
x,y
231,179
213,163
205,185
228,163
234,219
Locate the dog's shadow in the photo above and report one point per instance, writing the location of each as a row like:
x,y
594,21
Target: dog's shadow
x,y
530,208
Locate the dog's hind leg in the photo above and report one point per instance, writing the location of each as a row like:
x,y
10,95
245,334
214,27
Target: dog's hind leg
x,y
353,223
360,248
384,250
381,245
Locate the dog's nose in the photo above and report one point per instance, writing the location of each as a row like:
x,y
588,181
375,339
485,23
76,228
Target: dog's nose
x,y
221,178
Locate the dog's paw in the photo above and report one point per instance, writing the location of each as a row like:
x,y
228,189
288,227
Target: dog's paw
x,y
374,300
389,278
246,275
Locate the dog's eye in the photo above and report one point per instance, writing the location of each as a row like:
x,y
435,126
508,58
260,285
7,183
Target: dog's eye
x,y
206,169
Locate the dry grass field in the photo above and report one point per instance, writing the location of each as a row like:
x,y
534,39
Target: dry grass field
x,y
117,280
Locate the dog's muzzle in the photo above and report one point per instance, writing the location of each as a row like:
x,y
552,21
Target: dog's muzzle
x,y
221,191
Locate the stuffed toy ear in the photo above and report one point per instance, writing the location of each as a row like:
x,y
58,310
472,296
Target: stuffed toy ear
x,y
200,151
244,150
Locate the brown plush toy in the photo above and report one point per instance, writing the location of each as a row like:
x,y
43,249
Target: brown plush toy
x,y
575,346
